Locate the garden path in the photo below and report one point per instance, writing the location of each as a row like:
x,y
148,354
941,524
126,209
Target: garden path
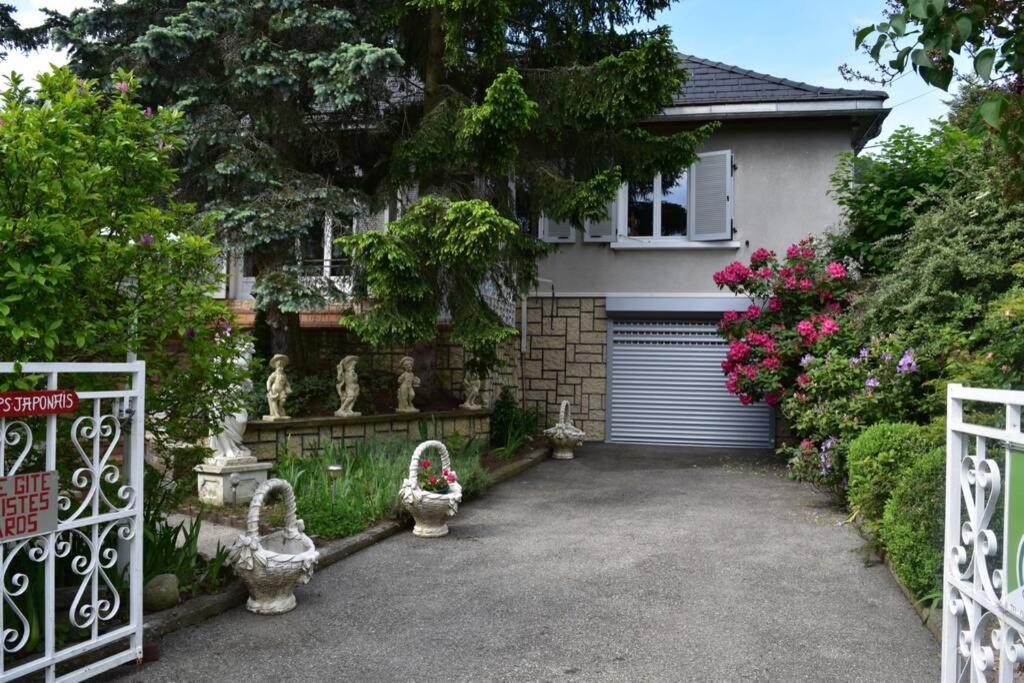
x,y
629,563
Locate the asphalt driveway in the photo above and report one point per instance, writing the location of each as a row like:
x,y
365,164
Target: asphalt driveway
x,y
630,563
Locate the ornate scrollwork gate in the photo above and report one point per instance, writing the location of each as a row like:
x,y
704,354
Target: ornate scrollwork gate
x,y
72,597
983,598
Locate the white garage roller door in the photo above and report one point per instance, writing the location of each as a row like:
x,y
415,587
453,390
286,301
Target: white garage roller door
x,y
666,386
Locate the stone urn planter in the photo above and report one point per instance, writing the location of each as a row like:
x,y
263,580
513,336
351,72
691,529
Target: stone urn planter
x,y
430,509
564,436
271,566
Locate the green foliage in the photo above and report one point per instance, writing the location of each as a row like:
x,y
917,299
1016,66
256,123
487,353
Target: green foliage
x,y
367,490
877,460
993,353
512,426
913,523
97,261
437,257
957,258
925,35
882,194
277,94
842,393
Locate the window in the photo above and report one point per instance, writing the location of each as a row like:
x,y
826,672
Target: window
x,y
694,206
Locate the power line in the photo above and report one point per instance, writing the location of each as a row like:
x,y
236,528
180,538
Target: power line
x,y
917,97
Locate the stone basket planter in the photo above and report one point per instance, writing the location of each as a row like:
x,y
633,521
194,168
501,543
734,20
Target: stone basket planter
x,y
430,510
271,566
564,436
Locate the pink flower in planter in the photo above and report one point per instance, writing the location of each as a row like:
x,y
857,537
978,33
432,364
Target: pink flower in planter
x,y
800,269
432,479
793,251
803,380
730,317
807,252
450,478
836,270
806,285
790,282
748,371
805,328
772,399
774,305
807,445
746,399
765,273
424,463
121,86
833,307
771,363
753,312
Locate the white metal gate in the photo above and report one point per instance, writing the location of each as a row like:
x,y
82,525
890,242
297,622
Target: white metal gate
x,y
665,385
72,598
983,622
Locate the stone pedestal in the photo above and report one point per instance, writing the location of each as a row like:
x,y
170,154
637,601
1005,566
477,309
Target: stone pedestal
x,y
230,481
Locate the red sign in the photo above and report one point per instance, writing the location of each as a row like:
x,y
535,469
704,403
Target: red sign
x,y
28,504
49,402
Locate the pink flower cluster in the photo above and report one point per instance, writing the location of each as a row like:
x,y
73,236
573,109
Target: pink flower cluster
x,y
733,274
797,301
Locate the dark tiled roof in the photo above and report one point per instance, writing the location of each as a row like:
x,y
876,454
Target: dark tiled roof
x,y
715,83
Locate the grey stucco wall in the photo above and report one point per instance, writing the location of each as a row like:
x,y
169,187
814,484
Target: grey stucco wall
x,y
781,196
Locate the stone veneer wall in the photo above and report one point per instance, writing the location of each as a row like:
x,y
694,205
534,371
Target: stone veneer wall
x,y
309,436
567,358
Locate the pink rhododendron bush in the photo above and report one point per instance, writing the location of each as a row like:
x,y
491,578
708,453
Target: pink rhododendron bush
x,y
797,301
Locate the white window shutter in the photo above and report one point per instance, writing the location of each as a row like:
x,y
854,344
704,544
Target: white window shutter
x,y
556,231
710,214
603,230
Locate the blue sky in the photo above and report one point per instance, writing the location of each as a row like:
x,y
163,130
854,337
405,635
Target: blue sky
x,y
805,40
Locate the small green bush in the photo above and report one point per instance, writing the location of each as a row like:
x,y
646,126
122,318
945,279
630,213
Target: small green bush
x,y
876,461
512,426
912,526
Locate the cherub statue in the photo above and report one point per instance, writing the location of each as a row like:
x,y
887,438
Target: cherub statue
x,y
278,388
471,387
347,386
407,382
227,443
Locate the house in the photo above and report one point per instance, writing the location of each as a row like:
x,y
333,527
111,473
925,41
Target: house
x,y
623,324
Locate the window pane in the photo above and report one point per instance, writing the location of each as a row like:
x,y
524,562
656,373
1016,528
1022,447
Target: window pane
x,y
673,207
640,217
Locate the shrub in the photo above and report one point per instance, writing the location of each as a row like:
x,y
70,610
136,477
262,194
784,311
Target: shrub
x,y
841,393
877,459
956,260
796,300
912,526
881,194
512,426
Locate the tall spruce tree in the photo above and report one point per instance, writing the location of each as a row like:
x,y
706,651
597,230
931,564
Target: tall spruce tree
x,y
277,95
492,112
